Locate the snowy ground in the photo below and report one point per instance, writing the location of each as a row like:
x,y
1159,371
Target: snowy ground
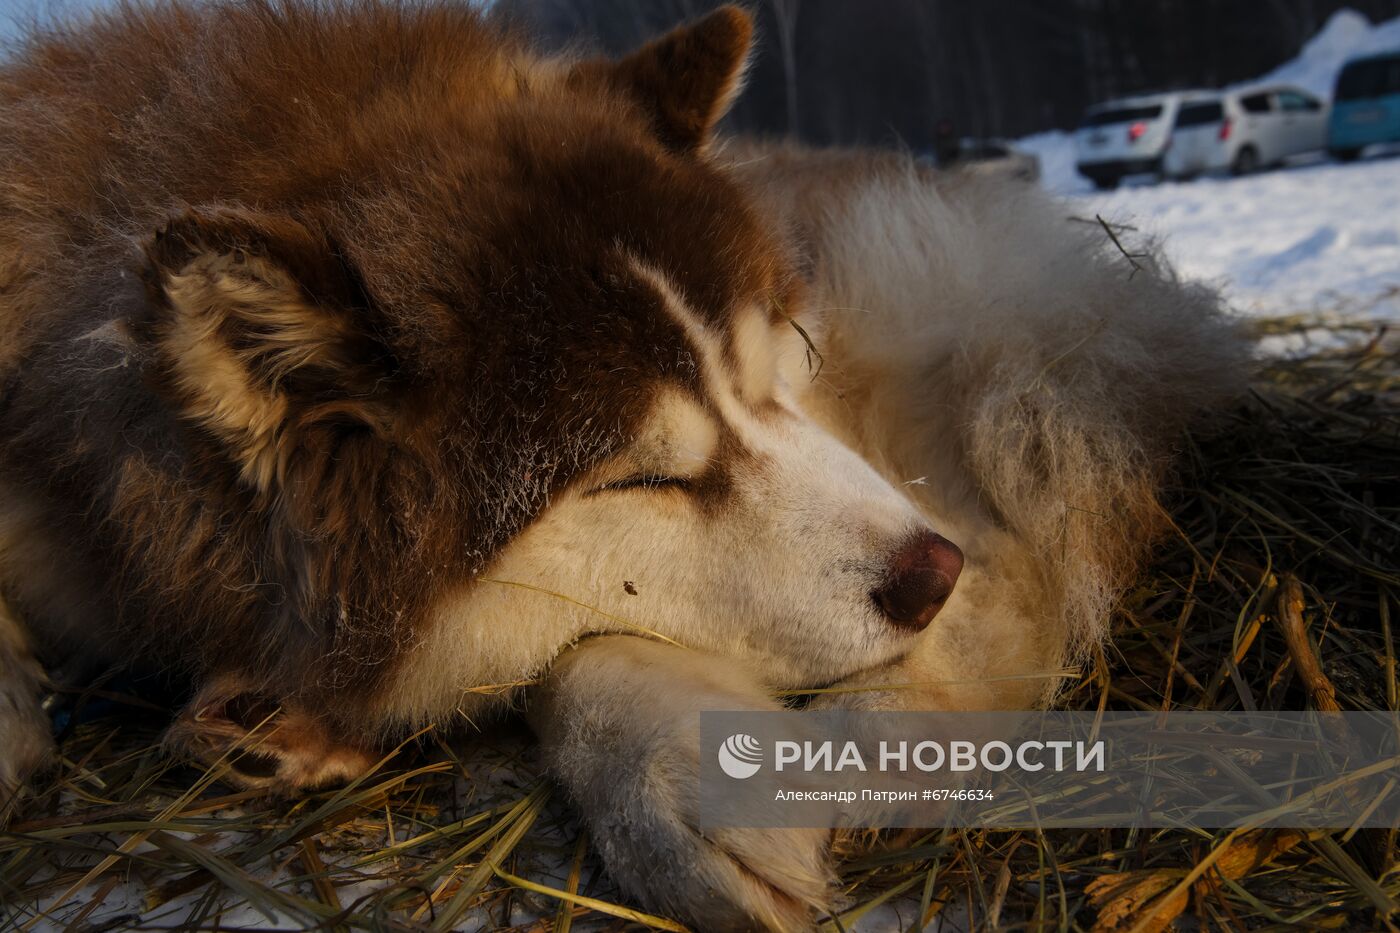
x,y
1317,238
1321,238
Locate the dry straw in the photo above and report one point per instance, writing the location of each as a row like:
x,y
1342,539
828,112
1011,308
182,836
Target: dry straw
x,y
1277,590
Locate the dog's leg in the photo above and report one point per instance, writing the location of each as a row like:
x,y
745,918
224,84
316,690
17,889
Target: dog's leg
x,y
618,718
25,740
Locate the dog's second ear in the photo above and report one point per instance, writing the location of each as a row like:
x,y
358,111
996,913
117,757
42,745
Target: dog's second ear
x,y
686,79
260,334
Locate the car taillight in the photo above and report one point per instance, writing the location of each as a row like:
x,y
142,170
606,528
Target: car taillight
x,y
1136,130
1225,129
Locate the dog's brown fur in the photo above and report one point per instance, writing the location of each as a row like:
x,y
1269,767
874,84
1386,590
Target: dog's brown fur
x,y
314,310
257,261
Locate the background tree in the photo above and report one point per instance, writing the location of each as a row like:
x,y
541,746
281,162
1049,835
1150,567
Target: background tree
x,y
887,71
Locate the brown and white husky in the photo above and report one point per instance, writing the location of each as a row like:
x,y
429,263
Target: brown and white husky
x,y
355,357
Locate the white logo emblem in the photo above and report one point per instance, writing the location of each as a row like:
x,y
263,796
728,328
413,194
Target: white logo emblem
x,y
741,756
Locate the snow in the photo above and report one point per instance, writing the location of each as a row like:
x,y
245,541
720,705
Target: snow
x,y
1322,238
1347,35
1319,238
1055,150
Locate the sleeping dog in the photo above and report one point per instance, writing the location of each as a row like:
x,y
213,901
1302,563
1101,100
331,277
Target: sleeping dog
x,y
364,369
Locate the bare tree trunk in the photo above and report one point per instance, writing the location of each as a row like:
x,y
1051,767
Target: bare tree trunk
x,y
785,12
988,117
928,29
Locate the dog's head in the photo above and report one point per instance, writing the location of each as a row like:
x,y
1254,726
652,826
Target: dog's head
x,y
527,374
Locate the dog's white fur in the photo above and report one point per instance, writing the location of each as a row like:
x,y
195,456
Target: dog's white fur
x,y
1023,383
989,367
781,576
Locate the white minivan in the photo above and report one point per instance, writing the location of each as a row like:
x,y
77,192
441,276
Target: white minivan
x,y
1241,131
1127,136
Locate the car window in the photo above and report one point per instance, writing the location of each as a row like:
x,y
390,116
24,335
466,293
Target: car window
x,y
1121,115
1200,114
1357,80
1294,101
1257,103
1369,78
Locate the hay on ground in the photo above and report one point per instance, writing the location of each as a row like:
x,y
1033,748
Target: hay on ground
x,y
1278,590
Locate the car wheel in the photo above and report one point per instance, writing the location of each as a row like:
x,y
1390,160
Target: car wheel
x,y
1346,155
1246,161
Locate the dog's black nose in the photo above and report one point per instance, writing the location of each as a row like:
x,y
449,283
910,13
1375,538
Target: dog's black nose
x,y
920,580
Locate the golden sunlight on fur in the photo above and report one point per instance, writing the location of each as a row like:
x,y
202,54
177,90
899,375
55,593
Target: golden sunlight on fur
x,y
1003,365
365,371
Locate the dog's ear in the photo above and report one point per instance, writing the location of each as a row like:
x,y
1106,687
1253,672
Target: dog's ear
x,y
263,742
260,333
686,79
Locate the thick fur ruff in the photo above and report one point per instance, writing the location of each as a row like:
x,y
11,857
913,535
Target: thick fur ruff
x,y
1020,378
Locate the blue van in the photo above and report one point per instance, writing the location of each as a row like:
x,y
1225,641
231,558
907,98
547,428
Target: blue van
x,y
1365,105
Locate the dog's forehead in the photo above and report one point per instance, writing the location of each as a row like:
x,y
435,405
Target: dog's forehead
x,y
615,260
611,201
737,352
531,232
532,321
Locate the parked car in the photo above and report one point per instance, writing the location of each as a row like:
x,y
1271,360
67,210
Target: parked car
x,y
1126,137
1199,139
1365,105
1241,131
997,157
989,156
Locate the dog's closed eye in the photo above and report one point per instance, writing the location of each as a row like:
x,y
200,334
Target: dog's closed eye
x,y
644,481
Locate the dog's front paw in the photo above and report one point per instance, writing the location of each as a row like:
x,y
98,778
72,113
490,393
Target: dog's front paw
x,y
619,722
717,879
